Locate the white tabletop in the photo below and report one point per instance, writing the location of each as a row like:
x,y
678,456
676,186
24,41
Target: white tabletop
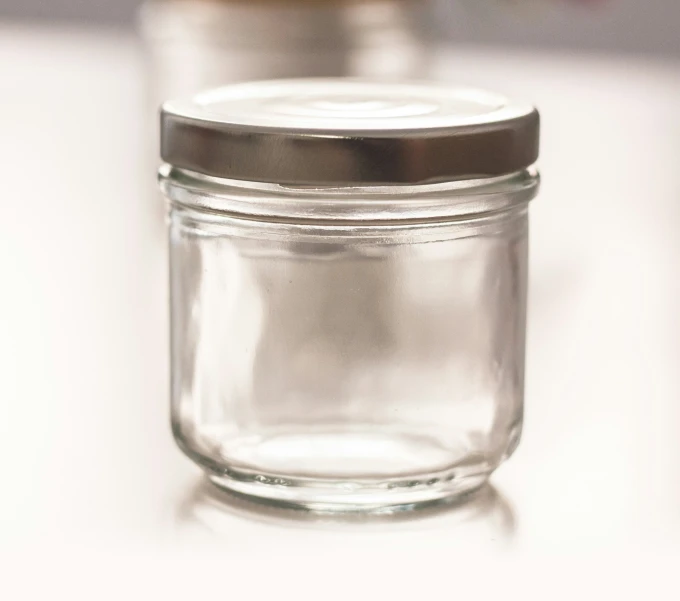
x,y
90,475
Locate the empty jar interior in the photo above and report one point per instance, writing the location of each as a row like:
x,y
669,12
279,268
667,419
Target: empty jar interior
x,y
356,358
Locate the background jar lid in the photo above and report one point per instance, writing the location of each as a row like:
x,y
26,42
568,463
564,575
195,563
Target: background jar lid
x,y
348,132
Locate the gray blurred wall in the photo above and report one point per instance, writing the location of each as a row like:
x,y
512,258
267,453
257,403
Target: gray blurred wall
x,y
639,26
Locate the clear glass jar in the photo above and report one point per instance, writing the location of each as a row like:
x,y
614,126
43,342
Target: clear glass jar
x,y
348,285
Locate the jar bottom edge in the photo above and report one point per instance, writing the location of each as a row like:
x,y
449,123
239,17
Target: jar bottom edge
x,y
347,496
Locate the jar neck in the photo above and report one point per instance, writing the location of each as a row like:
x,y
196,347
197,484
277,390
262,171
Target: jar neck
x,y
445,201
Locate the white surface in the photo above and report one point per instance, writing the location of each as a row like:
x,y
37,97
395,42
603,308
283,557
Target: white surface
x,y
91,480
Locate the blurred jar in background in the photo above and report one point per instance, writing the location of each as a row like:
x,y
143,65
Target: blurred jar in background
x,y
197,44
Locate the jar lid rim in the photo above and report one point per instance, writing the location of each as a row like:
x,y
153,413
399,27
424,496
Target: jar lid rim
x,y
347,132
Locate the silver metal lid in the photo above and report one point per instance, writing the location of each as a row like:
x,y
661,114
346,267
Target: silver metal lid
x,y
348,132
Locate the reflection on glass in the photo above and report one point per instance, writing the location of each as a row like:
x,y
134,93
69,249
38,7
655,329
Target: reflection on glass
x,y
481,519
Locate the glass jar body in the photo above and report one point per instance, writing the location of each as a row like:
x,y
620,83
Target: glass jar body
x,y
348,351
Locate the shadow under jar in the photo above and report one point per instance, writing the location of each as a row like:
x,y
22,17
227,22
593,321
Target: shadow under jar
x,y
348,287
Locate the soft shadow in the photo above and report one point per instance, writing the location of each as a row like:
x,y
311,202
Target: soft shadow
x,y
485,514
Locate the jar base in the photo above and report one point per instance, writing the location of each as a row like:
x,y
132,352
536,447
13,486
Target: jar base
x,y
332,469
395,494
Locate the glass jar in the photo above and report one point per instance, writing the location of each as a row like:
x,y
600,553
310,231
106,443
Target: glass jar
x,y
348,285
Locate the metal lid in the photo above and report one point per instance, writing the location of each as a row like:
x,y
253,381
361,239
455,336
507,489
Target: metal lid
x,y
348,132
